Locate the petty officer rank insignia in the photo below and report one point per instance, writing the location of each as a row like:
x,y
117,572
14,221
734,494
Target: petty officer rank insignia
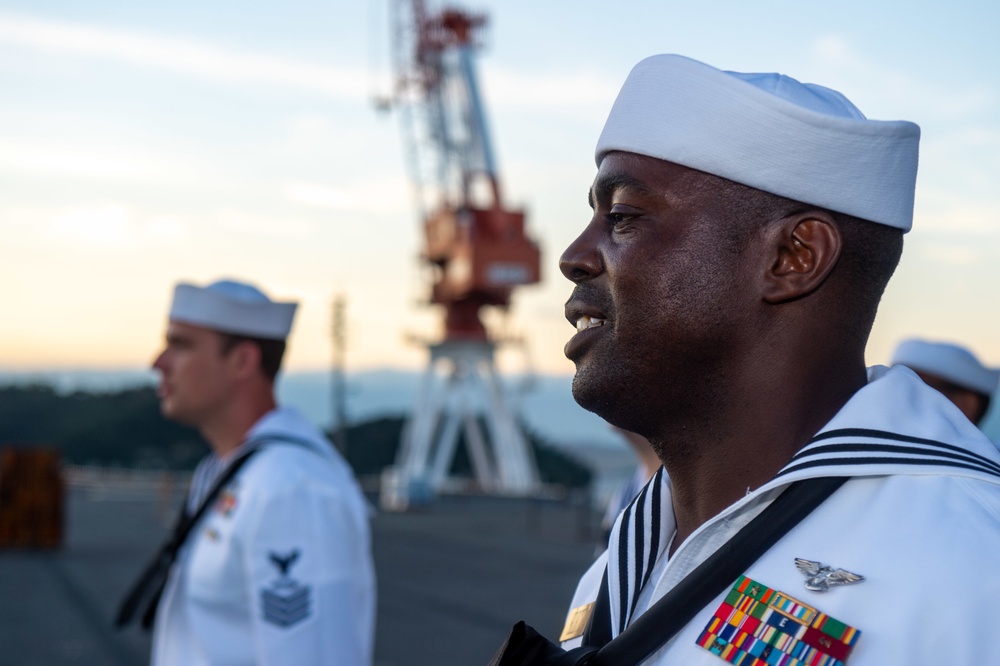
x,y
287,601
758,626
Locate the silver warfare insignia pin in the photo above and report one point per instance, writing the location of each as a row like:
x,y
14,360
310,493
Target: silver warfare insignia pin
x,y
820,578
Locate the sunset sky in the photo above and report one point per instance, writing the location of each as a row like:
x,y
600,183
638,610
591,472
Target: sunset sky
x,y
144,143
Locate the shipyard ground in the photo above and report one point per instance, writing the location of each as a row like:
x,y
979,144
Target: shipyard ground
x,y
452,578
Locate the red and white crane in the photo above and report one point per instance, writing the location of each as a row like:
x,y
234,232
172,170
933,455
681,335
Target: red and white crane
x,y
477,248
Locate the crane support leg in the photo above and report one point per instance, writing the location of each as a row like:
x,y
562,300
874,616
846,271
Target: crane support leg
x,y
461,395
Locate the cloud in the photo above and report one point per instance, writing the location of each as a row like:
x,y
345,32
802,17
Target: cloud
x,y
836,49
105,162
312,126
970,153
941,213
264,226
110,225
166,227
954,255
118,225
88,161
846,68
381,196
190,58
319,196
584,96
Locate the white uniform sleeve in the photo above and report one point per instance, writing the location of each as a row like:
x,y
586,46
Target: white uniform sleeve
x,y
311,583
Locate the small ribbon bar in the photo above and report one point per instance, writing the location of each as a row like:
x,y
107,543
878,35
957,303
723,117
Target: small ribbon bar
x,y
758,626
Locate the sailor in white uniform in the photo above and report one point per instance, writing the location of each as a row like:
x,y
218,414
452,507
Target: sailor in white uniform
x,y
744,228
278,569
919,521
953,371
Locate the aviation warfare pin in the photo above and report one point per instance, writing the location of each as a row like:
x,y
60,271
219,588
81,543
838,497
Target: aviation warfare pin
x,y
820,578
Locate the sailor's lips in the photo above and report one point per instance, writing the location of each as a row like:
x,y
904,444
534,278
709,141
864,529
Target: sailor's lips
x,y
588,323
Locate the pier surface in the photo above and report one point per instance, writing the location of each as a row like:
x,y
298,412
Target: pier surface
x,y
452,578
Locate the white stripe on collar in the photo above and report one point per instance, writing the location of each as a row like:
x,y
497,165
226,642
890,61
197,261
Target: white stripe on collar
x,y
865,438
636,541
855,451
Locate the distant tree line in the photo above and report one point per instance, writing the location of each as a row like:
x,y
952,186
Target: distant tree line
x,y
126,428
372,445
113,428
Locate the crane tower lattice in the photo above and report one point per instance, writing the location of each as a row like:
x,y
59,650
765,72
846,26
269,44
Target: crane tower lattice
x,y
478,252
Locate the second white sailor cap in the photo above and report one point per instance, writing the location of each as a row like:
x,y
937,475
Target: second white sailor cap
x,y
233,307
768,131
948,361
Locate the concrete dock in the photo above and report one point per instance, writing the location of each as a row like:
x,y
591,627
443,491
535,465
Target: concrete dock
x,y
452,578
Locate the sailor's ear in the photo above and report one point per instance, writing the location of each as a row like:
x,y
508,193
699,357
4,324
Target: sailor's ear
x,y
803,249
244,358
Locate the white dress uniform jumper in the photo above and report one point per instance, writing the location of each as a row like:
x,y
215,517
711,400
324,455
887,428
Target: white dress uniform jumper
x,y
894,568
279,569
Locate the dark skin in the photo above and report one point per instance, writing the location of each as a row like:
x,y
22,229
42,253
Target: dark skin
x,y
722,355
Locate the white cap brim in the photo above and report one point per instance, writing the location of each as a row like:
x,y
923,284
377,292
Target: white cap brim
x,y
230,307
769,132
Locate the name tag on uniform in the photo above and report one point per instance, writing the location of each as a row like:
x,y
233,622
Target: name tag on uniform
x,y
576,623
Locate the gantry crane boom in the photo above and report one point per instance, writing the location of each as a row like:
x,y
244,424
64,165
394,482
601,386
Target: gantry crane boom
x,y
479,253
478,246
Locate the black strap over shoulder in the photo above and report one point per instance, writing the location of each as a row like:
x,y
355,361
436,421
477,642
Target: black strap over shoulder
x,y
598,631
673,611
150,585
652,629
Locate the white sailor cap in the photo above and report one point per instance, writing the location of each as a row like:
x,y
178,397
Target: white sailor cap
x,y
233,307
949,362
768,131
